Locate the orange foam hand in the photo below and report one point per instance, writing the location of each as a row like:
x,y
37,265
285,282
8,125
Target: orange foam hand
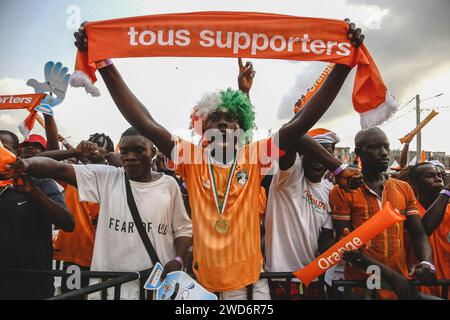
x,y
382,220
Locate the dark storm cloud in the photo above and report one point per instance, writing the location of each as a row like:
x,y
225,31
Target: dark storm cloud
x,y
412,44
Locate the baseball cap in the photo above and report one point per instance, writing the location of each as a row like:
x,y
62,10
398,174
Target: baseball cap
x,y
35,138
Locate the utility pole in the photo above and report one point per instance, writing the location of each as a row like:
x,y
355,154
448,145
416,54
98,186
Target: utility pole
x,y
419,134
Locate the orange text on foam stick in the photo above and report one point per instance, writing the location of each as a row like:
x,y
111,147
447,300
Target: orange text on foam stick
x,y
382,220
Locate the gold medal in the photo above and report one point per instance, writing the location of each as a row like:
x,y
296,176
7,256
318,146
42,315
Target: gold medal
x,y
221,226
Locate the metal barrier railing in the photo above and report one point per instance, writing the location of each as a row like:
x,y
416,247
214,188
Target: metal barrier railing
x,y
108,280
117,279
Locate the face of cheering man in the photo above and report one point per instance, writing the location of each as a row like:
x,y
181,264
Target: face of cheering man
x,y
427,180
136,153
314,171
372,146
220,129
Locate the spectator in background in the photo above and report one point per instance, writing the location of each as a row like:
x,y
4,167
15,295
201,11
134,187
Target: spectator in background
x,y
27,212
118,245
298,218
31,146
350,210
434,208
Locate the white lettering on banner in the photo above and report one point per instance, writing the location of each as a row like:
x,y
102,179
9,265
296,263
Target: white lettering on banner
x,y
207,35
327,262
238,41
182,38
12,99
149,37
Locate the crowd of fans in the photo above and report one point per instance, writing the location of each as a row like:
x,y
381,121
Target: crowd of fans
x,y
225,209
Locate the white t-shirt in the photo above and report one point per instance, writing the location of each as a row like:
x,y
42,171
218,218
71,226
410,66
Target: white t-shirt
x,y
297,210
118,246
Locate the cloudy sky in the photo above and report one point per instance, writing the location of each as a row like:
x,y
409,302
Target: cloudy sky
x,y
408,39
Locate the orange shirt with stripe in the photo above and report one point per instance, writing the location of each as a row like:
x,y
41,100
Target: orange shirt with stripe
x,y
440,243
230,261
77,246
387,247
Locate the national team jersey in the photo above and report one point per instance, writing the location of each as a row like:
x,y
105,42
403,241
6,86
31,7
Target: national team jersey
x,y
440,243
229,261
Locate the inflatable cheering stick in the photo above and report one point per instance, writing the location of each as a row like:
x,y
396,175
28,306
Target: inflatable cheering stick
x,y
382,220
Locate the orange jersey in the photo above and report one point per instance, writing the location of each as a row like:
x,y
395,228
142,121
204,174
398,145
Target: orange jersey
x,y
77,246
360,206
230,261
440,242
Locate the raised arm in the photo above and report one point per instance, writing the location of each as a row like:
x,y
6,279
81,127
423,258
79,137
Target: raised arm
x,y
51,132
434,215
41,167
404,155
319,102
127,103
314,108
58,155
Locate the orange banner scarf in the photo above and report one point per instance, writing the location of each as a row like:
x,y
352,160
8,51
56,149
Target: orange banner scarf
x,y
20,101
237,34
23,101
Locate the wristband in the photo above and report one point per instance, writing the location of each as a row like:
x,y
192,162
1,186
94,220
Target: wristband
x,y
446,192
103,63
429,265
339,170
180,260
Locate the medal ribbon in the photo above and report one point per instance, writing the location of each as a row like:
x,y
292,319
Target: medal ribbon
x,y
220,206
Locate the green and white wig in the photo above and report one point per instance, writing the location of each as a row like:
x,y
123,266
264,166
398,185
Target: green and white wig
x,y
231,101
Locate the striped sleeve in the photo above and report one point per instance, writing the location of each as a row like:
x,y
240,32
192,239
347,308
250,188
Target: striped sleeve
x,y
411,202
340,204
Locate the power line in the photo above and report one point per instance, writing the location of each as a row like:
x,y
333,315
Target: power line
x,y
399,109
402,107
435,108
396,118
429,98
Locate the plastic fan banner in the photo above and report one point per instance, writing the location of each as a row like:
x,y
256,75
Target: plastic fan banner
x,y
237,34
382,220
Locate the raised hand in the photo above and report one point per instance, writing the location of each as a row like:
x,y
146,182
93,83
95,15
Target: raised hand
x,y
246,76
86,150
349,179
55,84
16,169
80,38
354,34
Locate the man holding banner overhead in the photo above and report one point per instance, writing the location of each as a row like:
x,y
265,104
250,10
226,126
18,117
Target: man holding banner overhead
x,y
224,173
